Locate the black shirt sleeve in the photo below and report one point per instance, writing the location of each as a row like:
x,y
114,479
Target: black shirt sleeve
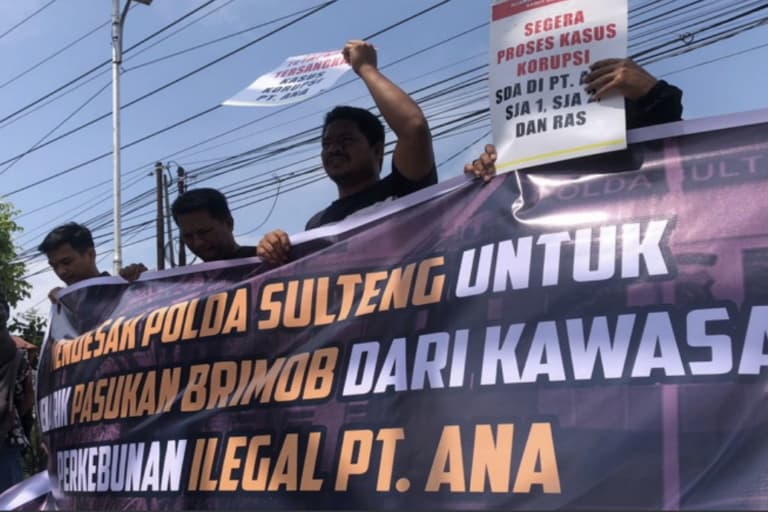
x,y
393,186
662,104
314,221
402,186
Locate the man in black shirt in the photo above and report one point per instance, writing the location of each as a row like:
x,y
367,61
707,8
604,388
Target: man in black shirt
x,y
72,255
353,151
206,225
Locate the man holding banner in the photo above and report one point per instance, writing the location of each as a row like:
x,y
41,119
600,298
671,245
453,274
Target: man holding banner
x,y
353,151
72,255
206,225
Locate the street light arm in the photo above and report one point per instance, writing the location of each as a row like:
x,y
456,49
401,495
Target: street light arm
x,y
125,12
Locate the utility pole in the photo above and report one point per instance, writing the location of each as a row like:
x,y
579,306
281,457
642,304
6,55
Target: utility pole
x,y
117,57
159,219
181,187
118,20
166,189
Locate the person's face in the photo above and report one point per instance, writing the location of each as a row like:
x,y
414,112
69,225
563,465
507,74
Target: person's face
x,y
71,265
347,155
208,238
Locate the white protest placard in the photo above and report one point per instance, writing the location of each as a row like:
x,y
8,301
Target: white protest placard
x,y
297,79
540,51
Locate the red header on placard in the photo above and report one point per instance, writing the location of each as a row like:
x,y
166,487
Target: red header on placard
x,y
511,7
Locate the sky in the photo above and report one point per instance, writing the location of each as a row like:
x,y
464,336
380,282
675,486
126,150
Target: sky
x,y
729,83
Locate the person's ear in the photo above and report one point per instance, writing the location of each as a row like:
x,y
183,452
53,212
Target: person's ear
x,y
378,150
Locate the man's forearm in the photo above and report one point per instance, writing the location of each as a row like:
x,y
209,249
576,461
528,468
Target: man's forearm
x,y
401,113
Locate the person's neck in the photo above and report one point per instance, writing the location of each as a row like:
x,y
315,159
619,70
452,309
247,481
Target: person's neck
x,y
233,249
91,275
353,188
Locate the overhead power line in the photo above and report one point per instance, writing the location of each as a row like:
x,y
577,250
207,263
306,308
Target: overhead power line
x,y
140,169
54,54
133,55
179,79
213,41
20,23
208,65
678,23
656,16
639,8
183,77
717,59
183,28
61,123
710,27
664,54
302,178
706,41
101,64
241,163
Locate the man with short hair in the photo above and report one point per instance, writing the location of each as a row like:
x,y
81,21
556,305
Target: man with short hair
x,y
207,227
72,256
353,151
71,253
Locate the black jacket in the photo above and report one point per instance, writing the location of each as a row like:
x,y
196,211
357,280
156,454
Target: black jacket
x,y
662,104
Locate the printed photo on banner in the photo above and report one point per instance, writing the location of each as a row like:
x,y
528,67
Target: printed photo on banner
x,y
298,78
540,52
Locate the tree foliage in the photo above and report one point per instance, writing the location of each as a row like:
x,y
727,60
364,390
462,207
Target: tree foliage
x,y
29,325
11,270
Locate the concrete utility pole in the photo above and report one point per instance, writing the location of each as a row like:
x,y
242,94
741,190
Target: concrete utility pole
x,y
118,19
159,219
181,188
167,192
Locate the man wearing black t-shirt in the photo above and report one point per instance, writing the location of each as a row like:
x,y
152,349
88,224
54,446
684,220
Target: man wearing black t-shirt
x,y
206,225
353,151
72,255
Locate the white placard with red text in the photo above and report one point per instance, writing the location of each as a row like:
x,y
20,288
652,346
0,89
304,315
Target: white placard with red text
x,y
297,79
540,51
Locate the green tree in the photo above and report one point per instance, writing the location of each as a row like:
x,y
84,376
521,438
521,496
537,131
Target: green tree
x,y
11,270
29,325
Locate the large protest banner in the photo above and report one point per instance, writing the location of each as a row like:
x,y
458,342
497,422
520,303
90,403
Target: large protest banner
x,y
586,336
540,52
